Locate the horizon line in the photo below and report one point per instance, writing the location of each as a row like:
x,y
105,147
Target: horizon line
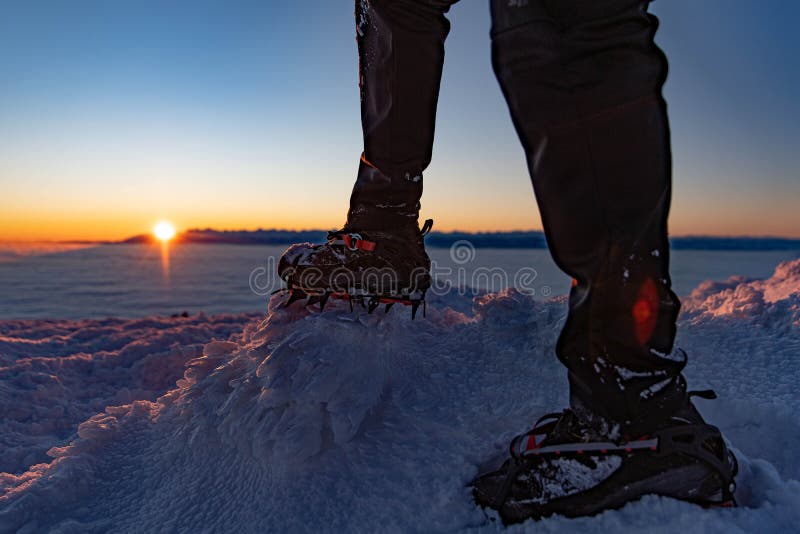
x,y
310,230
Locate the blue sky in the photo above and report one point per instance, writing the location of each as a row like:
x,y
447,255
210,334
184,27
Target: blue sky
x,y
242,114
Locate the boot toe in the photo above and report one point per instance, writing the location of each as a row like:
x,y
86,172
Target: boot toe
x,y
292,257
486,488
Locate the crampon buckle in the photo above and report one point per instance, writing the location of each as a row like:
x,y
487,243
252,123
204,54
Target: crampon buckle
x,y
357,242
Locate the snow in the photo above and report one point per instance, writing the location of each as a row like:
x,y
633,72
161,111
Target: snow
x,y
56,374
341,421
576,476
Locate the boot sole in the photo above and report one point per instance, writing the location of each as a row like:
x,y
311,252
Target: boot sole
x,y
691,483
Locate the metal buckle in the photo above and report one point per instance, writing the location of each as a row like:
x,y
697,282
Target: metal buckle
x,y
352,242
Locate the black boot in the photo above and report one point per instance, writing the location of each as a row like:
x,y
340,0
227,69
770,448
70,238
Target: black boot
x,y
377,257
567,466
373,266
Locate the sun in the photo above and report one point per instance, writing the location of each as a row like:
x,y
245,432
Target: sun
x,y
164,230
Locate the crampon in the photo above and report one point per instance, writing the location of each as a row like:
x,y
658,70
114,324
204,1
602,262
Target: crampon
x,y
368,268
370,302
560,467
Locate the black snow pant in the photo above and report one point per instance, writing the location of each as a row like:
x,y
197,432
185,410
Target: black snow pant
x,y
582,79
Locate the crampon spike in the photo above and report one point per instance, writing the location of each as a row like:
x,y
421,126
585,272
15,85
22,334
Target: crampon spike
x,y
323,300
414,308
388,307
372,304
295,295
350,301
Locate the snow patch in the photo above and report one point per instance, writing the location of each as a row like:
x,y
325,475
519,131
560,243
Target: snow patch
x,y
569,476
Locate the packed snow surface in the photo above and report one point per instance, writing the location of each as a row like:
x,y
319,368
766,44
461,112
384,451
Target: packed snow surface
x,y
56,374
344,421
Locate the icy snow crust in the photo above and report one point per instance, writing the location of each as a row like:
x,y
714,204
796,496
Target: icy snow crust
x,y
56,374
341,421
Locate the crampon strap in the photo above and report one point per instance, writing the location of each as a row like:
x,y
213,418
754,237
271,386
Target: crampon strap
x,y
530,443
530,447
694,440
352,241
426,227
697,441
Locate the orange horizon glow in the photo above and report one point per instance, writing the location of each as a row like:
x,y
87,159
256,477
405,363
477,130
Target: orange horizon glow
x,y
95,231
120,218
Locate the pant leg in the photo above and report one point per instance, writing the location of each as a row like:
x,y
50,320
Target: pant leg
x,y
401,53
583,81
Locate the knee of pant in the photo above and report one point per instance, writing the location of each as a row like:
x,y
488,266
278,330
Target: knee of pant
x,y
407,17
597,64
569,13
526,62
410,7
565,14
513,14
525,39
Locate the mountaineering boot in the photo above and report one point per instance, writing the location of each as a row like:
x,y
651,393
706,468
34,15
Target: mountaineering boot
x,y
378,257
568,467
368,266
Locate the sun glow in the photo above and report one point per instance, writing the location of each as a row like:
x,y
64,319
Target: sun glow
x,y
164,231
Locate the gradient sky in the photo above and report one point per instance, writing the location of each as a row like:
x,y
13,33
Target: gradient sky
x,y
244,114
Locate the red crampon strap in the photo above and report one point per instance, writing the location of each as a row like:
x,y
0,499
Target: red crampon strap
x,y
356,242
596,447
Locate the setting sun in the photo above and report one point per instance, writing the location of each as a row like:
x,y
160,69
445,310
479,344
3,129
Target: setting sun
x,y
164,230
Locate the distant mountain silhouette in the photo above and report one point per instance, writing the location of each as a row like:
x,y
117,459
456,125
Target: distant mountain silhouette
x,y
733,243
236,237
516,239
